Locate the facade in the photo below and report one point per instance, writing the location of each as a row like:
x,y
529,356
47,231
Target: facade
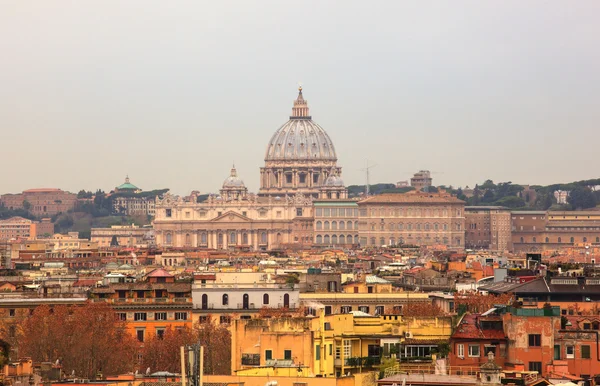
x,y
124,235
22,228
372,303
412,218
300,166
131,204
553,230
336,223
148,308
42,202
421,180
488,227
329,346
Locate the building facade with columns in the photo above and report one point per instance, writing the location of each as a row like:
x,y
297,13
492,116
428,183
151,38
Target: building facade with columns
x,y
300,167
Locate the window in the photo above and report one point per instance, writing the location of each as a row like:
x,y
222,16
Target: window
x,y
319,225
318,352
474,350
168,213
268,355
535,366
345,309
287,354
327,310
225,319
122,316
379,310
570,351
11,312
160,333
181,316
160,316
140,335
288,178
266,299
585,352
225,299
299,212
139,316
347,348
364,309
535,340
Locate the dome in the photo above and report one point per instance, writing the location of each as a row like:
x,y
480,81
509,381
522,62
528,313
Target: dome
x,y
300,138
334,181
233,181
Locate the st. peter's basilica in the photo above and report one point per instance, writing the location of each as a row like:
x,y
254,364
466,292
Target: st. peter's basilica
x,y
300,167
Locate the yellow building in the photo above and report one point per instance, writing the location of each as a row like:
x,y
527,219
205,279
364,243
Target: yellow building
x,y
334,345
376,303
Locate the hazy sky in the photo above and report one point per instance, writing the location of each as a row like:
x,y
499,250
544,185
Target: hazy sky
x,y
172,92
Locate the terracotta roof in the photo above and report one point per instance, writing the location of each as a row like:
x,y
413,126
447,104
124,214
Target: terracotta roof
x,y
411,197
470,328
85,283
39,190
159,272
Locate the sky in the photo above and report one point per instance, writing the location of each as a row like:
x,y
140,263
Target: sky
x,y
173,92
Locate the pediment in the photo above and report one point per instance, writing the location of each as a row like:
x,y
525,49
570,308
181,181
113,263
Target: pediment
x,y
231,217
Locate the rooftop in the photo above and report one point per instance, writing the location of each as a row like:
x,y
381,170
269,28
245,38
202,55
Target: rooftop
x,y
412,197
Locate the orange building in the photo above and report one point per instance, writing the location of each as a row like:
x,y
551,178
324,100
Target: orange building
x,y
150,306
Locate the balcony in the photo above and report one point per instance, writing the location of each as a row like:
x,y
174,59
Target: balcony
x,y
362,361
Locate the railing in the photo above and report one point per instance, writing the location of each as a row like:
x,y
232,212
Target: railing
x,y
362,361
430,369
143,300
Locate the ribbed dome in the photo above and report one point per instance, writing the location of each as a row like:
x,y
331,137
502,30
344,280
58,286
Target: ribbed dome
x,y
300,138
233,181
334,181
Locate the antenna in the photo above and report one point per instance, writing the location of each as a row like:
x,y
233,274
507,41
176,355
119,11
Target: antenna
x,y
367,170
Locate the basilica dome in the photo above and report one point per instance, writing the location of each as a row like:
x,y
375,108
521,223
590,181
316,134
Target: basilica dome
x,y
334,181
233,181
300,139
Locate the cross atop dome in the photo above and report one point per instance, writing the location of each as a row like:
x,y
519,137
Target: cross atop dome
x,y
300,109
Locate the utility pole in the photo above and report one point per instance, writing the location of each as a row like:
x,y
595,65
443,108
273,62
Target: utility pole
x,y
195,371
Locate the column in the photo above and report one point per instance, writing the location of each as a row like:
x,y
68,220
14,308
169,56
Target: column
x,y
195,239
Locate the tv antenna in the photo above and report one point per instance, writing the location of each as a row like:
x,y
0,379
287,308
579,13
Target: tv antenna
x,y
367,171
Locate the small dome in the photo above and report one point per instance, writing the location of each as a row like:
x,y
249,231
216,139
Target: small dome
x,y
334,180
233,181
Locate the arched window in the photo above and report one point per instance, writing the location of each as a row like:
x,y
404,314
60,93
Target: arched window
x,y
263,237
372,241
355,225
334,225
445,227
245,302
534,239
245,238
169,239
522,239
225,299
560,240
342,239
342,225
334,239
220,239
205,302
326,225
203,238
319,239
382,241
585,239
349,225
319,225
572,239
598,239
188,240
326,239
232,238
436,226
392,241
266,299
355,239
409,227
547,239
286,301
427,226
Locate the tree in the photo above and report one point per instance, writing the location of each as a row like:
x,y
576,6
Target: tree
x,y
87,339
421,309
511,202
582,198
216,340
162,353
26,205
476,302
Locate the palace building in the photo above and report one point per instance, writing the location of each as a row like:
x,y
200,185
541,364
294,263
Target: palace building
x,y
300,167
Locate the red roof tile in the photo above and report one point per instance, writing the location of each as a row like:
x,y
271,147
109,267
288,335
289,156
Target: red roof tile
x,y
470,328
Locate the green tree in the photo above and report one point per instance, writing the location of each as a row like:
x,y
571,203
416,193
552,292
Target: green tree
x,y
582,198
26,205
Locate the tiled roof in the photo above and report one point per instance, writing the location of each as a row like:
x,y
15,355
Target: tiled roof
x,y
372,279
159,272
411,197
470,328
